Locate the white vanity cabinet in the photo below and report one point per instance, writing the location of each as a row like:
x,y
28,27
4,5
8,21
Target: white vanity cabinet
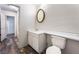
x,y
37,41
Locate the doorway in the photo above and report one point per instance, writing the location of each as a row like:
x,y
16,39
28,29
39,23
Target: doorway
x,y
10,25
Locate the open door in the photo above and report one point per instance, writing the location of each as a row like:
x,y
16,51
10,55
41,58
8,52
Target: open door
x,y
0,27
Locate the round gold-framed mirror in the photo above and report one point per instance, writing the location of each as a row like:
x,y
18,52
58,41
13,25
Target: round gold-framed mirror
x,y
40,16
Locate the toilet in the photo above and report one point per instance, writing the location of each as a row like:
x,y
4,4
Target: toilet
x,y
58,43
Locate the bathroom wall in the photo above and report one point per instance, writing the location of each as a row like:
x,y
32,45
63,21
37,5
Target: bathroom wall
x,y
27,21
64,18
60,17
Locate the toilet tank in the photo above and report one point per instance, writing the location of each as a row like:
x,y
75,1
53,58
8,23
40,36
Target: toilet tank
x,y
58,41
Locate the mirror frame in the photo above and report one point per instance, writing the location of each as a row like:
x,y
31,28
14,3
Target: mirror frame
x,y
38,16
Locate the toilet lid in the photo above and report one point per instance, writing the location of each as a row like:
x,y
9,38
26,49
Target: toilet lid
x,y
53,50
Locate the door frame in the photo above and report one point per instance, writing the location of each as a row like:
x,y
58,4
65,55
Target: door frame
x,y
4,14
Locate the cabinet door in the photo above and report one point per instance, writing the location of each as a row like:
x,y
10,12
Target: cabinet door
x,y
33,40
36,42
30,39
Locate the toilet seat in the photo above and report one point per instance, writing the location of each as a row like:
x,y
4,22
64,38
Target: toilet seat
x,y
53,50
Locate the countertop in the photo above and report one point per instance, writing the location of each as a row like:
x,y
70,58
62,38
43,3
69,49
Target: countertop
x,y
73,36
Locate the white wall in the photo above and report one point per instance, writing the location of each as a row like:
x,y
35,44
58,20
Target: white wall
x,y
27,21
64,18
